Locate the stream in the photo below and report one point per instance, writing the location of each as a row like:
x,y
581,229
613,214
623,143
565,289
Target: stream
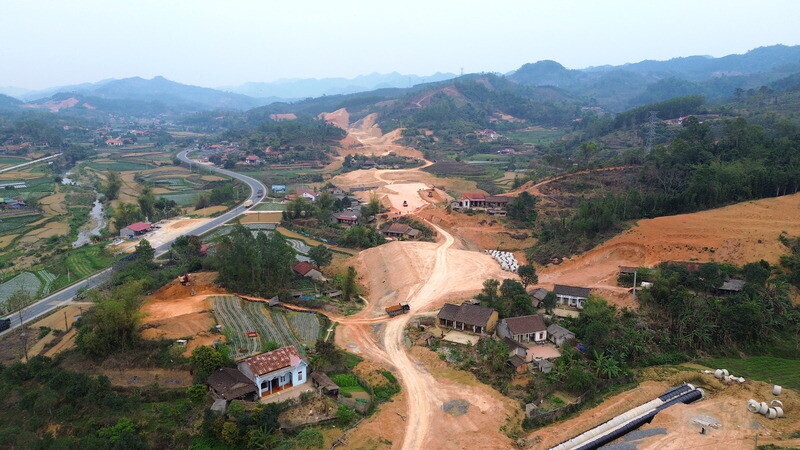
x,y
96,215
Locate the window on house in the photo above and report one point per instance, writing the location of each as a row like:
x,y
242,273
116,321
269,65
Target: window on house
x,y
300,376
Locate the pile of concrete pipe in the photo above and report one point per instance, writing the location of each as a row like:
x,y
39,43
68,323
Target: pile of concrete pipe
x,y
630,420
771,411
506,259
724,375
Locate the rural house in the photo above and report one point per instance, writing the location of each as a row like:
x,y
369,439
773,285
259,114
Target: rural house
x,y
472,200
276,370
732,286
399,230
573,296
523,329
538,296
558,334
231,384
473,318
307,194
135,229
252,160
308,270
114,142
345,218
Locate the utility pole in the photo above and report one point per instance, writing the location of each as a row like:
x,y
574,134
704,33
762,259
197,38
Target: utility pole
x,y
651,131
634,285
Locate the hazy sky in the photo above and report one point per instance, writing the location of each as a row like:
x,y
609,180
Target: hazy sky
x,y
227,42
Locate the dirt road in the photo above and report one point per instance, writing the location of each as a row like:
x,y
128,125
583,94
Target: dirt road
x,y
424,275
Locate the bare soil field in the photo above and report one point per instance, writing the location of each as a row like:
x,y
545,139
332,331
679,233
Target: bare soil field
x,y
364,137
261,217
736,234
50,229
176,311
480,232
170,229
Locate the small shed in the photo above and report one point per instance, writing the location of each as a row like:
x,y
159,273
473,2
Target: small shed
x,y
230,384
558,334
518,363
544,365
324,384
732,285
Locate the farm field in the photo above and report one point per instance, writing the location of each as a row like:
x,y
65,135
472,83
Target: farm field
x,y
26,281
781,371
537,136
239,317
17,223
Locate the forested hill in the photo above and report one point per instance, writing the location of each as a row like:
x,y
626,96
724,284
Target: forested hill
x,y
622,87
7,102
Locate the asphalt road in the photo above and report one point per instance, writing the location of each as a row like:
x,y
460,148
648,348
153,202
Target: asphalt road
x,y
48,304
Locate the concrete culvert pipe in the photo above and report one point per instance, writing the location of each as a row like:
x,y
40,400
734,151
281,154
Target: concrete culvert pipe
x,y
772,413
776,390
753,407
718,373
763,408
725,372
778,410
777,403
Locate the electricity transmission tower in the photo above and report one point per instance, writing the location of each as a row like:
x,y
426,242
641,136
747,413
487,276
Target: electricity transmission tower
x,y
651,131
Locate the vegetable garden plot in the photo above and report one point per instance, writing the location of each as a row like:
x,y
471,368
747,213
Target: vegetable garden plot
x,y
236,324
25,281
305,326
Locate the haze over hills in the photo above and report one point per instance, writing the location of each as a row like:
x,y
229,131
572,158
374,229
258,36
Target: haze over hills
x,y
312,87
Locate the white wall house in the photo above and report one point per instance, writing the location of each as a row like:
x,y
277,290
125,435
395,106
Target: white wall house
x,y
573,296
276,370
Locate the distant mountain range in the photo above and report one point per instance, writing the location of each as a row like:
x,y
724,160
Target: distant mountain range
x,y
615,88
630,85
311,87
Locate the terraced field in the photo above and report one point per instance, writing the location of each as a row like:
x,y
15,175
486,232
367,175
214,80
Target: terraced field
x,y
86,261
238,317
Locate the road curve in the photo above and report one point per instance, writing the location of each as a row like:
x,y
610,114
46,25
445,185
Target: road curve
x,y
50,303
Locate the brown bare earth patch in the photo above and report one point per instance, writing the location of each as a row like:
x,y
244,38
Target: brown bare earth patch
x,y
52,228
480,232
736,234
176,311
7,239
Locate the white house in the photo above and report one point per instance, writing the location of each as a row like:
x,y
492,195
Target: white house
x,y
523,329
571,295
276,370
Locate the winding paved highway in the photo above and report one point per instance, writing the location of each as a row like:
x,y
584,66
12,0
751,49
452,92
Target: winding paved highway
x,y
50,303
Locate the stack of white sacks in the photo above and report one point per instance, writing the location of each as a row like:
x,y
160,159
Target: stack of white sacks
x,y
506,259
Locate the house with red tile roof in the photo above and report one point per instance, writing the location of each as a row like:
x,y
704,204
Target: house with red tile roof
x,y
275,371
114,142
308,270
135,229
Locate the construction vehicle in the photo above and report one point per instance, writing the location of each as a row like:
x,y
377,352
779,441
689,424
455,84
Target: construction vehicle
x,y
247,203
396,310
405,203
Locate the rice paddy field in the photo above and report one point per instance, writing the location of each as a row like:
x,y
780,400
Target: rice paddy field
x,y
781,371
238,317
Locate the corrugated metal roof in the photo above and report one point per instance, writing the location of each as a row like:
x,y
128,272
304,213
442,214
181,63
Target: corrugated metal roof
x,y
275,360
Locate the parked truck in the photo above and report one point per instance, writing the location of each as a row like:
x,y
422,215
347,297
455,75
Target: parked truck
x,y
5,324
396,310
247,204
